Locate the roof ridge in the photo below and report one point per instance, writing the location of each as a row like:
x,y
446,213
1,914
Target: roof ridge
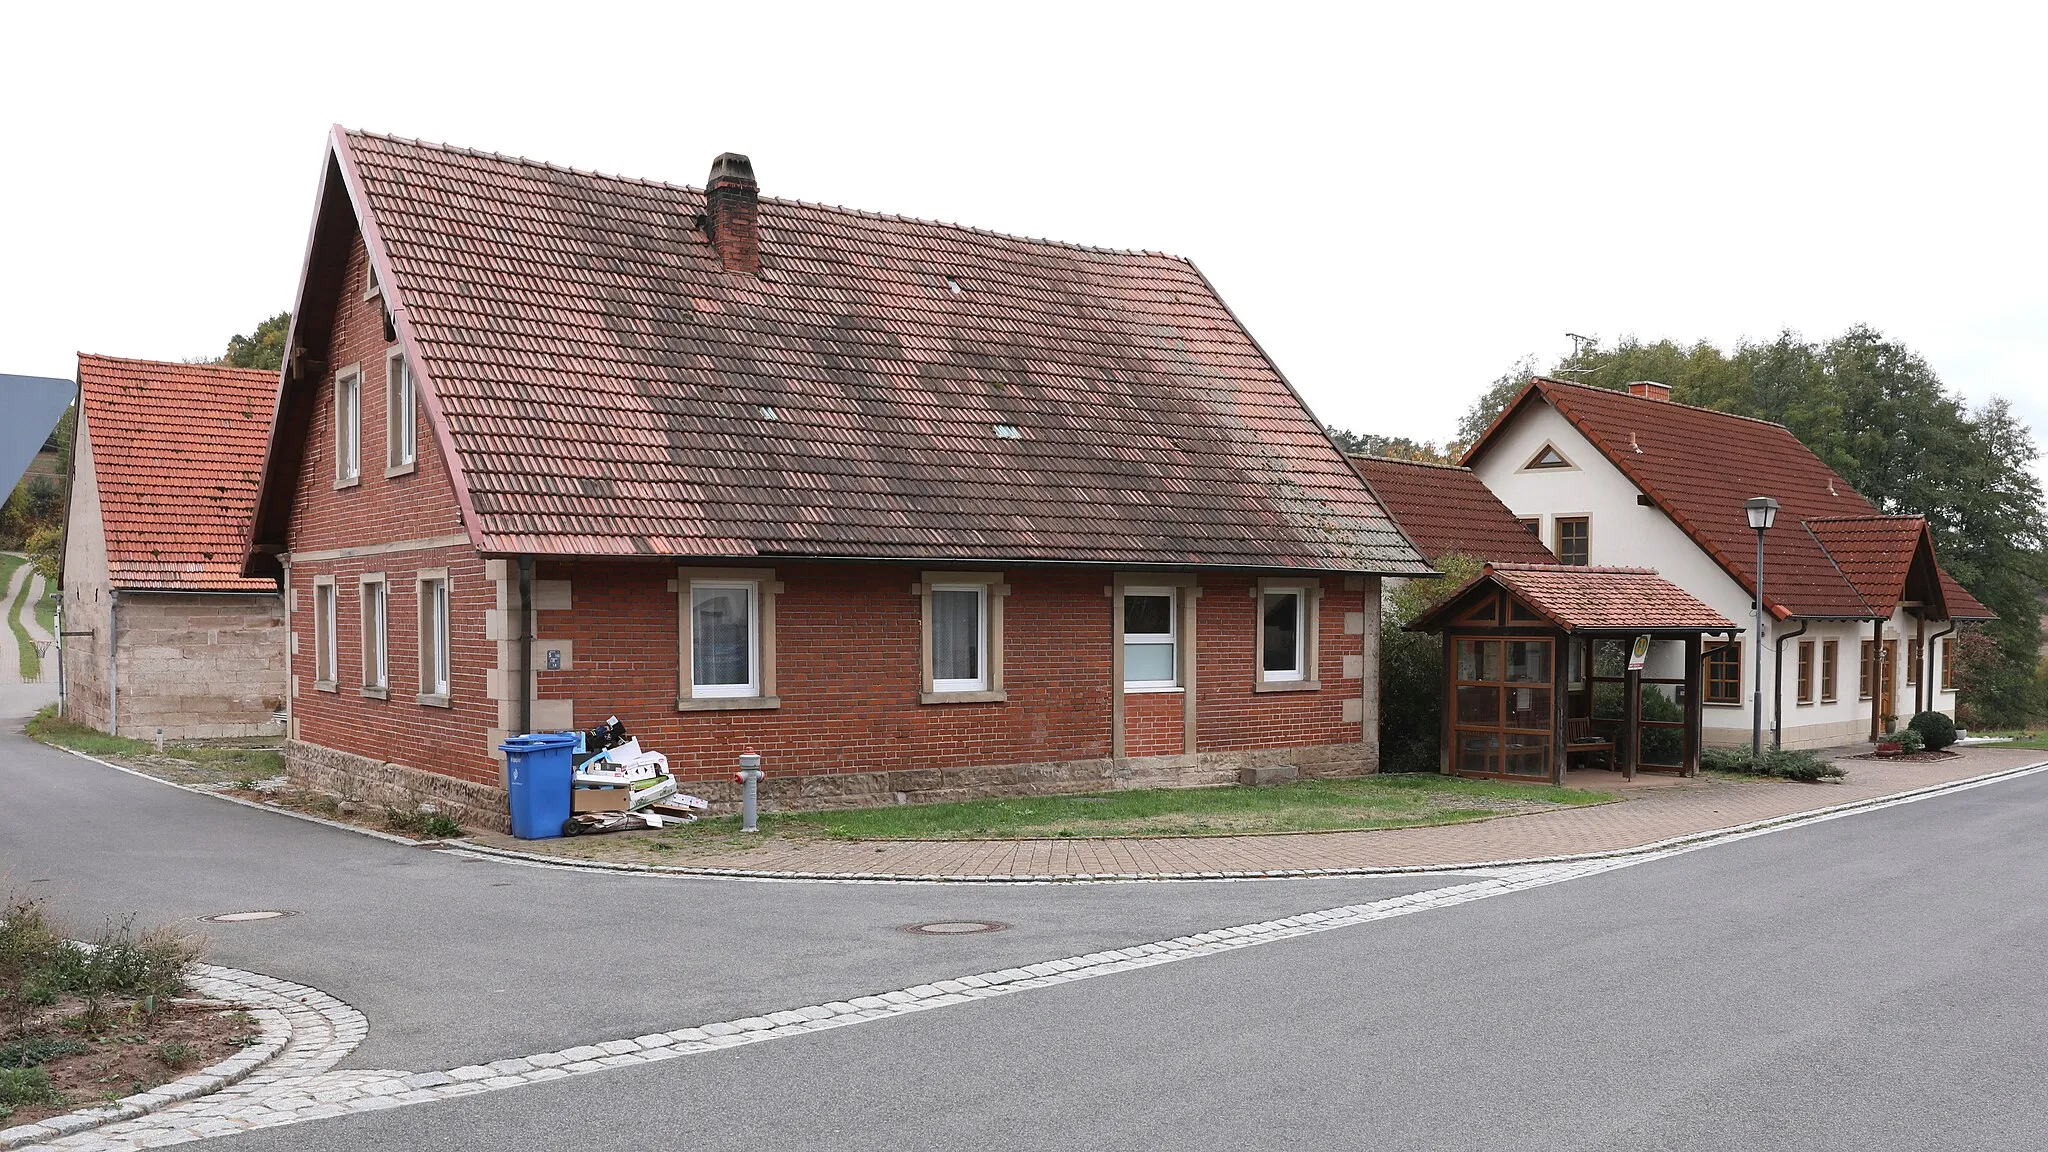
x,y
1412,463
1623,393
1598,569
644,181
1865,519
268,373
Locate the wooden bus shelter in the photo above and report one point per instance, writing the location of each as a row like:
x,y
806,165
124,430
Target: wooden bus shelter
x,y
1549,666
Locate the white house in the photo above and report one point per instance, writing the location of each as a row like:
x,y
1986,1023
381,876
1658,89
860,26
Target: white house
x,y
1858,612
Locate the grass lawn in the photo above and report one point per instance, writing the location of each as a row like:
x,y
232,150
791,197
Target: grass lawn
x,y
2036,740
184,763
1390,801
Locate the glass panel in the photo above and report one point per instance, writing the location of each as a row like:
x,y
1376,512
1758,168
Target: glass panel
x,y
1663,747
1486,611
1280,651
1148,615
1478,752
1148,664
956,634
1479,660
1666,660
1577,676
1527,756
1478,705
1529,708
1528,661
1520,613
719,632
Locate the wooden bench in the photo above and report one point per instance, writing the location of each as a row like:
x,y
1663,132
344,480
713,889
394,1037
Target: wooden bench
x,y
1579,740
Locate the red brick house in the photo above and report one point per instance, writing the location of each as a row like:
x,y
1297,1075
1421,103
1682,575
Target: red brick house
x,y
914,510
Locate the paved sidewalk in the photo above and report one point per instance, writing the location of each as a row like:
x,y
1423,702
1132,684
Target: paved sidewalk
x,y
1653,809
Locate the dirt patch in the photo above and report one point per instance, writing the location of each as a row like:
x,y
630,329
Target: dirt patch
x,y
1906,758
133,1052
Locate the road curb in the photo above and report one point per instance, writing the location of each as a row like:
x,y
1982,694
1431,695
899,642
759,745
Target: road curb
x,y
684,871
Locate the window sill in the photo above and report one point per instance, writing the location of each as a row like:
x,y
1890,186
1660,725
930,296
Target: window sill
x,y
1724,704
993,696
371,692
324,686
1288,686
1134,691
405,469
726,703
351,482
433,700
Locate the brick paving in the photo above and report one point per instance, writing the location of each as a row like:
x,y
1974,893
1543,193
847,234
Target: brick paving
x,y
1652,809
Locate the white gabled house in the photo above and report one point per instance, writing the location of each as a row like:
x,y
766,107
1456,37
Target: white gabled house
x,y
1858,613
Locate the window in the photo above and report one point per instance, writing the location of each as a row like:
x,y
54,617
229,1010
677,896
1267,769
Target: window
x,y
1534,524
1806,671
401,416
323,633
1948,664
1724,673
1912,661
376,671
1547,458
434,679
959,638
1864,678
1283,635
1574,540
348,407
1830,665
1501,708
370,286
724,643
1151,639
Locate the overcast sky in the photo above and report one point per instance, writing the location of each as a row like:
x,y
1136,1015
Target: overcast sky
x,y
1399,200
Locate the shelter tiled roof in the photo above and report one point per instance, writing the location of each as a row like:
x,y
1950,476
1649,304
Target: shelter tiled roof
x,y
176,453
1447,510
885,388
1700,465
1578,598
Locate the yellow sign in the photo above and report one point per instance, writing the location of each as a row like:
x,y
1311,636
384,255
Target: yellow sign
x,y
1639,655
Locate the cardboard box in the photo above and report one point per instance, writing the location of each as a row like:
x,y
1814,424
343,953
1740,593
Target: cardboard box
x,y
600,799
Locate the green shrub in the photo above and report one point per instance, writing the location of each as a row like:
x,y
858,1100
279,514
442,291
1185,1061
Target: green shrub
x,y
24,1086
1936,729
1783,763
38,1050
1908,740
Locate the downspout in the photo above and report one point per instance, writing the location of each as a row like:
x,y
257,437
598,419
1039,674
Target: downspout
x,y
1778,684
113,661
525,631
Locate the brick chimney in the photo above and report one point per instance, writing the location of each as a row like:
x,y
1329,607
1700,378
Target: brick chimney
x,y
1649,389
732,210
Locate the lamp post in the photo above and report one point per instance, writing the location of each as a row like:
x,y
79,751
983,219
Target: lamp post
x,y
1763,512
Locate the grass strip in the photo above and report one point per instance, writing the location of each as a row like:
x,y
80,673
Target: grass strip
x,y
31,662
232,763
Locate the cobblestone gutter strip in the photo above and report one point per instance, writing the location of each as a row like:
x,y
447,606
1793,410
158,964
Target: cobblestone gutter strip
x,y
540,860
301,1029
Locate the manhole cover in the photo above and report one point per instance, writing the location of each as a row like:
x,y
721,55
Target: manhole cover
x,y
241,917
956,927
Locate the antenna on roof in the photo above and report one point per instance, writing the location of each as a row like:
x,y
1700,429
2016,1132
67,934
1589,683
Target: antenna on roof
x,y
1579,344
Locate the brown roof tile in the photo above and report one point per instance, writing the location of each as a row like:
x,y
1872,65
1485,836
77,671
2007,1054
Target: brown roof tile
x,y
603,380
1580,598
1447,510
177,450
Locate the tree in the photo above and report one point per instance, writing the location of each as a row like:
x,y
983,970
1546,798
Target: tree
x,y
1493,401
1393,447
263,348
1412,670
46,549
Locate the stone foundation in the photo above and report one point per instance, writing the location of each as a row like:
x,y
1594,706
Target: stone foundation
x,y
374,782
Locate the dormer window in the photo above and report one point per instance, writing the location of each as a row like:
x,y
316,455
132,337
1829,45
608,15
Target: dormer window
x,y
1547,459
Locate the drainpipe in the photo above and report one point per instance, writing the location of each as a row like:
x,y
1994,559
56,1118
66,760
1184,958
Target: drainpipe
x,y
1778,684
525,631
114,661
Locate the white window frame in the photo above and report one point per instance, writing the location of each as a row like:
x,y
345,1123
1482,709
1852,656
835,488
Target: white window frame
x,y
978,683
372,287
752,688
436,649
348,426
325,651
1170,639
1299,672
401,415
376,634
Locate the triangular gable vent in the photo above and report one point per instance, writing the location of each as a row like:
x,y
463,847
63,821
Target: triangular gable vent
x,y
1548,458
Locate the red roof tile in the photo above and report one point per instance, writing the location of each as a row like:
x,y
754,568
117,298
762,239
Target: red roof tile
x,y
1580,598
1962,605
176,453
1447,510
1700,466
603,383
1875,553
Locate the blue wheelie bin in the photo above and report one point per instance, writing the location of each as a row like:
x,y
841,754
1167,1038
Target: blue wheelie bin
x,y
537,774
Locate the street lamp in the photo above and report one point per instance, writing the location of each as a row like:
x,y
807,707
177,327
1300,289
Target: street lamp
x,y
1763,512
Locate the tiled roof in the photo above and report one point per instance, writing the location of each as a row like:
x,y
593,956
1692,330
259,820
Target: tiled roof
x,y
1448,510
1580,598
1875,553
1700,466
606,384
176,453
1962,605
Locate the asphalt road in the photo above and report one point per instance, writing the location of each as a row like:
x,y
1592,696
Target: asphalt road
x,y
457,961
1869,983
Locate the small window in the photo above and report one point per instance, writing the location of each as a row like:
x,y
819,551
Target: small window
x,y
370,286
1574,540
1806,671
1283,639
1948,664
1008,432
1724,673
323,634
401,413
1866,676
348,409
1151,639
376,669
1546,458
434,678
1912,661
1534,524
1830,665
724,639
959,638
